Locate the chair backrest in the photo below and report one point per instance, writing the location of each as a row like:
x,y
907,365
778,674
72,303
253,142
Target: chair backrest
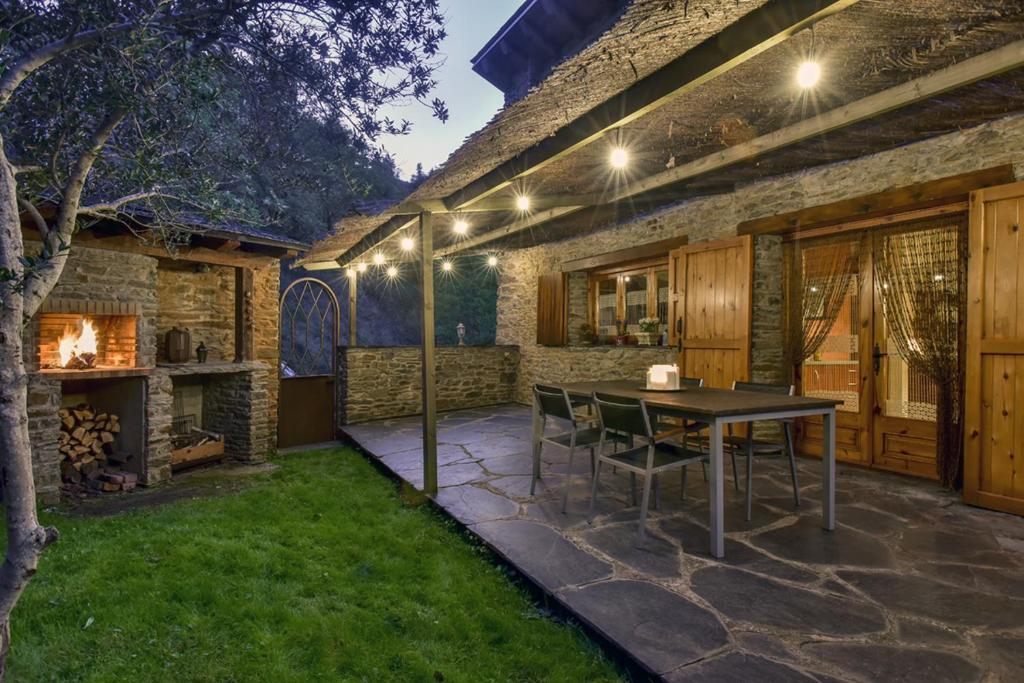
x,y
781,389
694,382
623,415
554,402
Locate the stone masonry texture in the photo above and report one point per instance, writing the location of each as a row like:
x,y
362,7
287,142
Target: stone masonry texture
x,y
378,382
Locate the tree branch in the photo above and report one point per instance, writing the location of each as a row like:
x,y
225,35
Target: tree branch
x,y
37,218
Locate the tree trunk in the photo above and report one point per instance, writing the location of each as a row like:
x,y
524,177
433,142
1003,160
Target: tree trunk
x,y
26,539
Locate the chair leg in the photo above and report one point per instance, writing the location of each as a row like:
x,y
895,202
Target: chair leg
x,y
788,429
704,469
643,507
536,466
593,492
735,470
750,482
568,480
682,493
593,460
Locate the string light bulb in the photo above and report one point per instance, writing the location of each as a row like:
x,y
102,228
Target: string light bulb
x,y
808,74
619,158
392,272
407,244
361,267
460,227
523,202
492,261
446,266
350,272
378,258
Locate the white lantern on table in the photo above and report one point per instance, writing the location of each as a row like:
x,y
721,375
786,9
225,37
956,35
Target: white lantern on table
x,y
663,377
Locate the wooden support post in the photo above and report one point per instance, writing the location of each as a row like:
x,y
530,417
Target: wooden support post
x,y
352,292
244,321
429,368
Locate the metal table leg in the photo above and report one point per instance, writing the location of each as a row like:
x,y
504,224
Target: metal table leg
x,y
717,489
828,460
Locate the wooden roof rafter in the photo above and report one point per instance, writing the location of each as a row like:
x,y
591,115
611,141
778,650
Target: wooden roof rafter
x,y
978,68
749,36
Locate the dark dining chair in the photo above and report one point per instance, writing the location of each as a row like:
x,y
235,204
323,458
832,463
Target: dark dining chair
x,y
620,416
752,447
688,432
579,431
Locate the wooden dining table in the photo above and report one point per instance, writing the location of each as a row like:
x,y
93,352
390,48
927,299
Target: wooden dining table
x,y
719,408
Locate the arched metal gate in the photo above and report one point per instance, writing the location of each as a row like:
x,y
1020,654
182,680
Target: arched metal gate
x,y
310,323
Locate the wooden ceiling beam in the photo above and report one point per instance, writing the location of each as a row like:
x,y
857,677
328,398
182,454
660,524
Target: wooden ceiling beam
x,y
979,68
749,36
491,204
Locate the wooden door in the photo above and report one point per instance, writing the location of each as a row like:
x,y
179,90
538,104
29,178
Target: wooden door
x,y
710,301
310,326
839,370
994,403
903,412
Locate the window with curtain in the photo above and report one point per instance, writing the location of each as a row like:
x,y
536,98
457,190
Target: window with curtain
x,y
622,297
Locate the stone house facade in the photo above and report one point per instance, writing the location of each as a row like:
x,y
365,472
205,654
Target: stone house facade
x,y
716,217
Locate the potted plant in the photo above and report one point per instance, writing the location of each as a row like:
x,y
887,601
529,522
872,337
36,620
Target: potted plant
x,y
621,335
648,334
588,335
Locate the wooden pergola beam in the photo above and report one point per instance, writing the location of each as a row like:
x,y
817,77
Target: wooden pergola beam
x,y
437,206
749,36
427,360
979,68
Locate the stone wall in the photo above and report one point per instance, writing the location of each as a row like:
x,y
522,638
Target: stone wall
x,y
235,405
44,397
380,382
267,318
716,217
159,412
200,298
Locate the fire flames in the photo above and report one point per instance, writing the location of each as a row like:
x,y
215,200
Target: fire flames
x,y
77,348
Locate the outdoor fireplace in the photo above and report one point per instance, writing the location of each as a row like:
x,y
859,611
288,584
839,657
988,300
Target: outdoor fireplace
x,y
87,335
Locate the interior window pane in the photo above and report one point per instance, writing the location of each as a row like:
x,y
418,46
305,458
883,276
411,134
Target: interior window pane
x,y
636,300
606,325
834,369
908,393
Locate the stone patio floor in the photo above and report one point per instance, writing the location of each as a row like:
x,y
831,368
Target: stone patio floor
x,y
912,586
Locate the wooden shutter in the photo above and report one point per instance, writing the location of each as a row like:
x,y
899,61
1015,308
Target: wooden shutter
x,y
710,306
994,391
552,309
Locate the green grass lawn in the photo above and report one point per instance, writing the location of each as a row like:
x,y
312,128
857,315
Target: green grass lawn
x,y
315,571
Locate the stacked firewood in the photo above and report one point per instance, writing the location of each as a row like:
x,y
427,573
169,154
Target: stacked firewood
x,y
86,442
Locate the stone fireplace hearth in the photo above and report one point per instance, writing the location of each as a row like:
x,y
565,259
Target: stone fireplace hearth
x,y
131,300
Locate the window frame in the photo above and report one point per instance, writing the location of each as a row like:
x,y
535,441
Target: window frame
x,y
647,267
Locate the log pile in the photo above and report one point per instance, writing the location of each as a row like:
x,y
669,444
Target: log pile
x,y
86,442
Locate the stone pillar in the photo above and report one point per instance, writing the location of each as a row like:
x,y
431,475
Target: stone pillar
x,y
159,411
44,425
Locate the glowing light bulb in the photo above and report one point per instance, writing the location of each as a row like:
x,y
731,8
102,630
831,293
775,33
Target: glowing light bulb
x,y
392,272
808,74
361,267
940,277
378,259
460,227
492,261
349,272
619,158
523,202
446,266
407,244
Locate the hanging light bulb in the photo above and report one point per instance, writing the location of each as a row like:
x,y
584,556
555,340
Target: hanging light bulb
x,y
619,158
808,74
523,202
492,261
392,272
378,258
460,227
446,266
350,272
361,267
407,244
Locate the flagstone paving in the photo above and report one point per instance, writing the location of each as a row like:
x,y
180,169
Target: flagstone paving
x,y
912,586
